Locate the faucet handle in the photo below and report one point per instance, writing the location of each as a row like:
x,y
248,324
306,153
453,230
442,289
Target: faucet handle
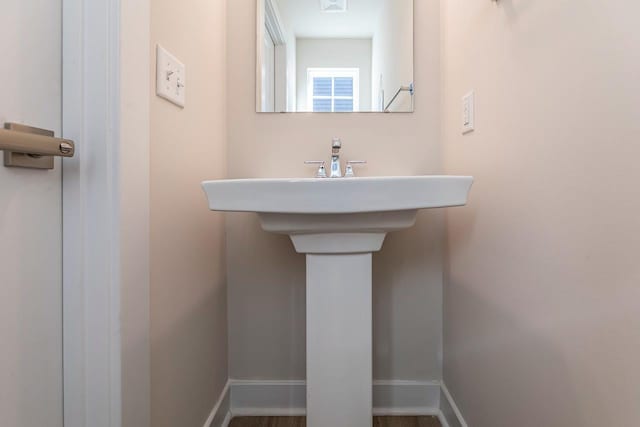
x,y
348,173
322,170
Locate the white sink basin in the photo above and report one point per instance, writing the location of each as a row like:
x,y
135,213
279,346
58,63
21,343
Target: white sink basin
x,y
338,223
337,196
337,215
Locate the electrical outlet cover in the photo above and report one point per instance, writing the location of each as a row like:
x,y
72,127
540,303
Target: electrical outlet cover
x,y
171,83
468,113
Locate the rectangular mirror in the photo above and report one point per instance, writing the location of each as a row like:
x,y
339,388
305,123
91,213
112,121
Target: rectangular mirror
x,y
334,56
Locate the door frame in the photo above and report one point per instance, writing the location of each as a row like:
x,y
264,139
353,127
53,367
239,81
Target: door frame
x,y
268,18
106,86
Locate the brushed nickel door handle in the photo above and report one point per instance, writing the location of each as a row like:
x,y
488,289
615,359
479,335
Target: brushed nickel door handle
x,y
29,147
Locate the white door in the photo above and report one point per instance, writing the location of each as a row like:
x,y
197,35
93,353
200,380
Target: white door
x,y
269,74
30,221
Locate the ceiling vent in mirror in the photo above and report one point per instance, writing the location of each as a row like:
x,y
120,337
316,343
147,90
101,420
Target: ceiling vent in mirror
x,y
332,6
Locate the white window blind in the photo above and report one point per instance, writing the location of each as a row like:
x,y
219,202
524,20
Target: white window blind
x,y
333,90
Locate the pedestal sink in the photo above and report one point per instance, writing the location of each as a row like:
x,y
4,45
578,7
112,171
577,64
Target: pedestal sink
x,y
338,224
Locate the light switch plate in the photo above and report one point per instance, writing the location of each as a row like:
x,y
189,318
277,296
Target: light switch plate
x,y
468,112
171,75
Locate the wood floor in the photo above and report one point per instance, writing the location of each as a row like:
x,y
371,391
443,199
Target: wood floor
x,y
301,422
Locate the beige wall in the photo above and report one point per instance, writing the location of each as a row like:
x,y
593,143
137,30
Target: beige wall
x,y
133,214
266,277
542,300
188,290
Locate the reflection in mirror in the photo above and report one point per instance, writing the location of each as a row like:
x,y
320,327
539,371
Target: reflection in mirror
x,y
336,56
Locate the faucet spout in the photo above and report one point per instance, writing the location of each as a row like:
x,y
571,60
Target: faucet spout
x,y
336,169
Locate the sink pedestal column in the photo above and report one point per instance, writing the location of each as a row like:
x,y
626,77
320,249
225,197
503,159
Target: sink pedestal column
x,y
339,340
339,327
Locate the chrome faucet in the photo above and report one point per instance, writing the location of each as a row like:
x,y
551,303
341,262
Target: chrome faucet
x,y
336,169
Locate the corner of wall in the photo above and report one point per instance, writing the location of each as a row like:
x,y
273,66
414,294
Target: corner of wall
x,y
134,208
189,334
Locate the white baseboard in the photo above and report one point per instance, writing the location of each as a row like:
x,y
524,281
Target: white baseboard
x,y
268,398
406,397
288,398
220,415
449,410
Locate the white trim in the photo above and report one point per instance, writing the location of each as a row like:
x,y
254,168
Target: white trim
x,y
260,31
268,398
269,412
448,399
221,404
269,20
288,398
398,397
92,381
407,412
280,78
105,289
443,420
273,22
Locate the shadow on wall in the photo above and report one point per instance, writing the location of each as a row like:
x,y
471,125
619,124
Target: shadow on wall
x,y
514,8
267,314
407,302
268,318
499,361
188,337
